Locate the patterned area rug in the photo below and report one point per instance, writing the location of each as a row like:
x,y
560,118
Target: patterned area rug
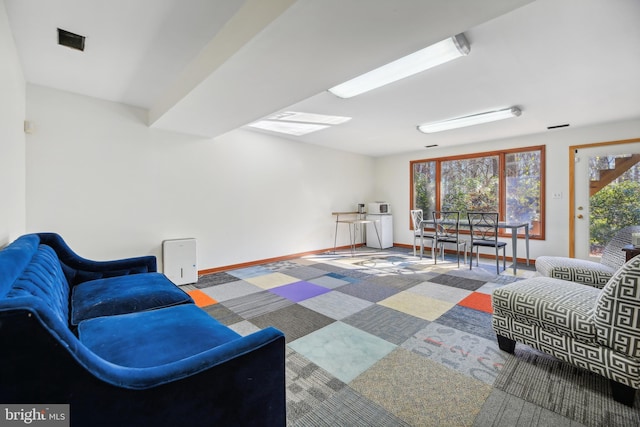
x,y
382,338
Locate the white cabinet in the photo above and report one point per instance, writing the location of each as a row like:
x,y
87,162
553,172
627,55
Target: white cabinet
x,y
179,259
384,226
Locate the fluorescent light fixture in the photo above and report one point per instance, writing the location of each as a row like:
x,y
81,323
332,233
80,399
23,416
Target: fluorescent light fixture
x,y
436,54
298,124
475,119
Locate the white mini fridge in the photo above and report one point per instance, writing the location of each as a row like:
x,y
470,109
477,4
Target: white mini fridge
x,y
384,224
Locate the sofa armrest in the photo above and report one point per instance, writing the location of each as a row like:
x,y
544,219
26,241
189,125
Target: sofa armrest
x,y
78,269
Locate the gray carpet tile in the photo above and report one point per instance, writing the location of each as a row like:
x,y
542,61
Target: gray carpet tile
x,y
231,290
307,385
244,328
572,392
386,323
294,321
399,282
303,272
475,273
348,408
368,291
458,282
468,320
257,304
329,268
328,282
222,314
280,266
344,278
214,279
504,410
463,352
336,304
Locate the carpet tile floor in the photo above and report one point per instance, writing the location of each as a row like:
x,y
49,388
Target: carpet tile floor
x,y
384,338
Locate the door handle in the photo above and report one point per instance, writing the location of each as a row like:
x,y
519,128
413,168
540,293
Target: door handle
x,y
580,216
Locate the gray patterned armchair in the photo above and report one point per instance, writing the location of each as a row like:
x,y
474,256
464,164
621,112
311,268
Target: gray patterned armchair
x,y
591,328
589,272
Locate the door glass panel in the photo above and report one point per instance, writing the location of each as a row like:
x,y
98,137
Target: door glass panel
x,y
614,197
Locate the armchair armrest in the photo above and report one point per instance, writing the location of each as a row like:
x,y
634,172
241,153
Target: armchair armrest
x,y
575,270
78,269
583,276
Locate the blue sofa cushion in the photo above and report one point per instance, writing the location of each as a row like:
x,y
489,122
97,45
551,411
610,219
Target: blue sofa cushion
x,y
155,337
124,294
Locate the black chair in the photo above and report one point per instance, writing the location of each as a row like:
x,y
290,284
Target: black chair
x,y
447,225
418,232
483,227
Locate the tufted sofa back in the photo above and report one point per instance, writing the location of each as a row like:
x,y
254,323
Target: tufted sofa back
x,y
31,271
617,313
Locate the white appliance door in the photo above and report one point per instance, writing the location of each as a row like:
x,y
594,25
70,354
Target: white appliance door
x,y
380,232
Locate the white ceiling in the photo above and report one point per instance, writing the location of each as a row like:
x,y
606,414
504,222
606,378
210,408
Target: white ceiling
x,y
207,67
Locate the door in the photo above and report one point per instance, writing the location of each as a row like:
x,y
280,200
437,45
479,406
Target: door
x,y
606,194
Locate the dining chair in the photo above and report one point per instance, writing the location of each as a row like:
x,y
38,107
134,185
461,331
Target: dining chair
x,y
483,227
447,225
418,232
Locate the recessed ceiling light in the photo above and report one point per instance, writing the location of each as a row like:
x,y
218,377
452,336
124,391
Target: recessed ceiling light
x,y
292,116
290,128
298,124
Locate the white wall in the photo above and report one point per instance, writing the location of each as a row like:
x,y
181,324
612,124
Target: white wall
x,y
12,139
112,187
393,175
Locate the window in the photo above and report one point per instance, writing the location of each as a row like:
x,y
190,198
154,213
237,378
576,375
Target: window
x,y
509,182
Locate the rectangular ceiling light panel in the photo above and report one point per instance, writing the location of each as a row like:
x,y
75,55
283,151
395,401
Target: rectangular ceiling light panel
x,y
290,128
292,116
429,57
298,124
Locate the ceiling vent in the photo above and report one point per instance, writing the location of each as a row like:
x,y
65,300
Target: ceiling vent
x,y
68,39
558,126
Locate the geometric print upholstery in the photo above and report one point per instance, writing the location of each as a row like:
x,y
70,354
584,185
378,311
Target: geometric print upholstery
x,y
594,329
589,272
561,307
575,270
617,313
587,355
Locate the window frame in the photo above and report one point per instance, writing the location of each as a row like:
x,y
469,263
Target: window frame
x,y
502,183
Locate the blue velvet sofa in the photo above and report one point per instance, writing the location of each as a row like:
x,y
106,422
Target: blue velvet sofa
x,y
122,345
